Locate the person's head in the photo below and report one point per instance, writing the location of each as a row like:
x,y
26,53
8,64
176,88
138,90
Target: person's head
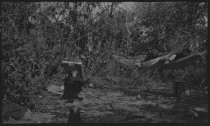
x,y
75,73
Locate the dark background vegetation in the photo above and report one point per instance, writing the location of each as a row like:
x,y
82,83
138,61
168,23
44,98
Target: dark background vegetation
x,y
35,37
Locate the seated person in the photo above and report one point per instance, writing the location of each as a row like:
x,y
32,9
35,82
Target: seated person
x,y
73,83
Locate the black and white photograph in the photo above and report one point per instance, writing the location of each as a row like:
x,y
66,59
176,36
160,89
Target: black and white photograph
x,y
104,62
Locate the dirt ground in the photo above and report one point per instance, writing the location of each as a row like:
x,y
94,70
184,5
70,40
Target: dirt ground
x,y
105,104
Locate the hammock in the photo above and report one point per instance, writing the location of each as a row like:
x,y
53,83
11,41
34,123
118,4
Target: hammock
x,y
182,62
165,61
131,62
139,61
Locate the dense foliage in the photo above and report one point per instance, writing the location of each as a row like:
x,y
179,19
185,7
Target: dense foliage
x,y
37,36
